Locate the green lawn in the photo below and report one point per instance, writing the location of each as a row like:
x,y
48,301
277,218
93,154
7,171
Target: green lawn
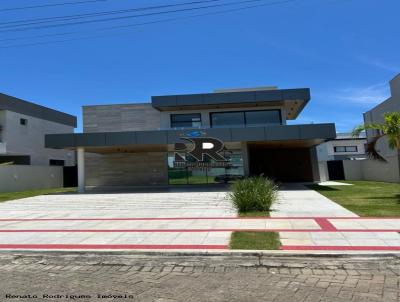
x,y
254,214
24,194
365,198
255,241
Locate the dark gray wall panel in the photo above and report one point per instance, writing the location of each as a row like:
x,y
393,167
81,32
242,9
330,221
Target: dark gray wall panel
x,y
215,98
295,94
282,132
239,97
60,141
151,137
310,131
223,134
248,134
270,133
270,95
175,136
120,138
189,99
90,139
168,100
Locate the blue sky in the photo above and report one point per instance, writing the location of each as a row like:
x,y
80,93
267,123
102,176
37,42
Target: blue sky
x,y
345,51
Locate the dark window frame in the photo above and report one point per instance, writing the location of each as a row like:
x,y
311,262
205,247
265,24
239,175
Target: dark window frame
x,y
244,115
181,114
57,162
23,121
345,149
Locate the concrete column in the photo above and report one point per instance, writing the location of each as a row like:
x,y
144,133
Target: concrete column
x,y
246,160
81,169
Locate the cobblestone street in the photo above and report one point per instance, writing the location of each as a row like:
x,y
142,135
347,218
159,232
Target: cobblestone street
x,y
235,277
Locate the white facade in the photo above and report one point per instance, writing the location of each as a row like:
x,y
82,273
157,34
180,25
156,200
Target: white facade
x,y
18,139
344,147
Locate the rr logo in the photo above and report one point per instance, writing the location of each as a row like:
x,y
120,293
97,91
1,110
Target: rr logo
x,y
201,147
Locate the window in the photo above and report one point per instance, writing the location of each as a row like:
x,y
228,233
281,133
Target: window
x,y
345,149
23,121
57,162
221,119
191,120
265,117
246,118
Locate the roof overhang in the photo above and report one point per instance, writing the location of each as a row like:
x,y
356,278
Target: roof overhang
x,y
294,100
14,104
144,140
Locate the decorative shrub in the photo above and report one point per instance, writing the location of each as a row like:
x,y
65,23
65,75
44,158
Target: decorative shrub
x,y
253,194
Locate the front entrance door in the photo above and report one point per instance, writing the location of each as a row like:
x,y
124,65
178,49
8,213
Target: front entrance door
x,y
335,170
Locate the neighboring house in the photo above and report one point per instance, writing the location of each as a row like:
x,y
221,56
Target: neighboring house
x,y
23,126
377,170
331,154
141,144
343,147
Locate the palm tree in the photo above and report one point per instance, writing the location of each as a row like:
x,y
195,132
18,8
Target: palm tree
x,y
389,128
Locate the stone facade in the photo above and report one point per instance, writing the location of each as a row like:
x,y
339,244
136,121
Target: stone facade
x,y
115,118
126,169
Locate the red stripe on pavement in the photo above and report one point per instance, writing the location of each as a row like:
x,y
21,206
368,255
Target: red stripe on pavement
x,y
338,248
159,230
192,218
325,225
202,230
113,246
149,218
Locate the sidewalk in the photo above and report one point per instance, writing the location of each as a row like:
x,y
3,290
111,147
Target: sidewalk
x,y
348,233
297,233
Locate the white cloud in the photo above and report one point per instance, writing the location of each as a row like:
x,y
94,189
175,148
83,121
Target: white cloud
x,y
370,95
378,64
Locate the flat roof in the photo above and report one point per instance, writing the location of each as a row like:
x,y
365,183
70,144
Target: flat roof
x,y
17,105
294,100
316,133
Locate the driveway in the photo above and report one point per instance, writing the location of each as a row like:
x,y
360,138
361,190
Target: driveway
x,y
115,220
195,219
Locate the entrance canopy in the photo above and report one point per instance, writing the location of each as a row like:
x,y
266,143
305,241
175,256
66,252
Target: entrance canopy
x,y
313,134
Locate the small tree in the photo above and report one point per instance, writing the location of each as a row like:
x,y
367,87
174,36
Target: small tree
x,y
389,128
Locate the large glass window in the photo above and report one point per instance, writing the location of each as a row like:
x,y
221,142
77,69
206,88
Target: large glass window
x,y
191,120
245,118
221,119
179,176
264,117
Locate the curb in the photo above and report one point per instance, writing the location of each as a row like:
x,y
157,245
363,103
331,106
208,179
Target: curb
x,y
212,253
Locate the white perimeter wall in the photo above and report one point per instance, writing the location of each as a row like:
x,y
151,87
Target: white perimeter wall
x,y
15,178
372,169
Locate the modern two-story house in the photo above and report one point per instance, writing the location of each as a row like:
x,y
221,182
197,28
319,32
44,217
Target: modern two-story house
x,y
197,139
23,126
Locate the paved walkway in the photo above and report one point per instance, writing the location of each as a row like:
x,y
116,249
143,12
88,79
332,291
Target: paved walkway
x,y
349,233
195,278
304,219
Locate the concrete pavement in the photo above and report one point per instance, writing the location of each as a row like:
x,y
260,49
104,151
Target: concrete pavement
x,y
204,220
